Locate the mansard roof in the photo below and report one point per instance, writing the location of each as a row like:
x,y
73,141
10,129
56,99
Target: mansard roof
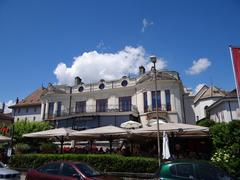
x,y
31,100
209,92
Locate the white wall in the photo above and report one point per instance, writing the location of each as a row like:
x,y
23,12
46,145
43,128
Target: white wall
x,y
189,109
225,111
199,107
27,115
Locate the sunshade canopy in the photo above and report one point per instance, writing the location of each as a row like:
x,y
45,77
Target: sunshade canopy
x,y
4,138
130,125
104,132
51,133
170,127
58,133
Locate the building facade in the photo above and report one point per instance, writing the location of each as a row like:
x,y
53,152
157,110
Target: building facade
x,y
204,98
225,109
83,106
29,109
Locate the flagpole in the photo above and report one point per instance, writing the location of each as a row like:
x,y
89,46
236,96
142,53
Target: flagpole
x,y
230,49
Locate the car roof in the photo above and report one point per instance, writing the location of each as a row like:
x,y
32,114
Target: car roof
x,y
185,161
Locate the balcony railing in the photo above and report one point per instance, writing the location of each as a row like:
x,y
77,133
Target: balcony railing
x,y
161,108
96,109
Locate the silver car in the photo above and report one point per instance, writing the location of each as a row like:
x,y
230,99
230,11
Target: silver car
x,y
8,174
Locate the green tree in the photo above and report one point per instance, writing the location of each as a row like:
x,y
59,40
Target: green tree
x,y
226,142
205,122
23,127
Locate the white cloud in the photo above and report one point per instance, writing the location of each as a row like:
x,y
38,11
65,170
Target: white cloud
x,y
7,104
199,66
93,66
145,24
198,87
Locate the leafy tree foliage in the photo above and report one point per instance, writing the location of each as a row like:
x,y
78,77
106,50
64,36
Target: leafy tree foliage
x,y
205,122
23,127
226,141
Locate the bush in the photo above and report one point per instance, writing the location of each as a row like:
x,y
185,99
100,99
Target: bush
x,y
108,163
226,141
48,148
21,148
205,122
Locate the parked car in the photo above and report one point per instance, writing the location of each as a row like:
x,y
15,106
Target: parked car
x,y
7,173
66,171
190,169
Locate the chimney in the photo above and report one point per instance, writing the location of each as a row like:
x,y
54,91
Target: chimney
x,y
17,100
78,81
141,70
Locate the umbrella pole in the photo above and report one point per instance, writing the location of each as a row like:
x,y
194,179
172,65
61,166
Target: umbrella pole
x,y
61,144
110,144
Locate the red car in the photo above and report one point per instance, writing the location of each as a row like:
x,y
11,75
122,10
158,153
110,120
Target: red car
x,y
66,171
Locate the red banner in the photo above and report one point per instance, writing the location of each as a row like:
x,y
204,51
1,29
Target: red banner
x,y
236,64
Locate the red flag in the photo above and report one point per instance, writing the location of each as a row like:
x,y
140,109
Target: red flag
x,y
236,65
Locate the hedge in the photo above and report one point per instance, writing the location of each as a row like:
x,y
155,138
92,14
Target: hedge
x,y
102,162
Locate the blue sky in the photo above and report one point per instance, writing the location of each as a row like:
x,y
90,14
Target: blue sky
x,y
35,36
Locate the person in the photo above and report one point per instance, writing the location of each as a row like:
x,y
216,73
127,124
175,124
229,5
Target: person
x,y
101,150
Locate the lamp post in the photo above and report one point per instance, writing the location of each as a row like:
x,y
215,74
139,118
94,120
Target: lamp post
x,y
154,60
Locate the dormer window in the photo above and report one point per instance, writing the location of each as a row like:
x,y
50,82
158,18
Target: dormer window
x,y
124,83
80,89
101,86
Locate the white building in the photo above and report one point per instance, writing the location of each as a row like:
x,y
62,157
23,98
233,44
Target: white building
x,y
205,97
114,102
29,108
225,109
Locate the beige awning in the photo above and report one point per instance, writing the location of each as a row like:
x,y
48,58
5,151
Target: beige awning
x,y
4,138
51,133
104,132
131,125
60,134
183,129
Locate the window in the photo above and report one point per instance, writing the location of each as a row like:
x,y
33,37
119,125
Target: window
x,y
52,168
87,170
184,170
19,110
68,170
206,172
80,107
59,107
26,110
154,100
35,109
145,102
50,108
124,83
101,86
168,100
125,103
80,89
101,105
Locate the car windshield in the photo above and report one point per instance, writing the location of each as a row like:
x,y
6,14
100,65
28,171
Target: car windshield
x,y
87,170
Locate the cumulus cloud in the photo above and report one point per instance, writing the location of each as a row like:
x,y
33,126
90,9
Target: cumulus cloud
x,y
7,104
198,87
93,66
199,66
145,24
